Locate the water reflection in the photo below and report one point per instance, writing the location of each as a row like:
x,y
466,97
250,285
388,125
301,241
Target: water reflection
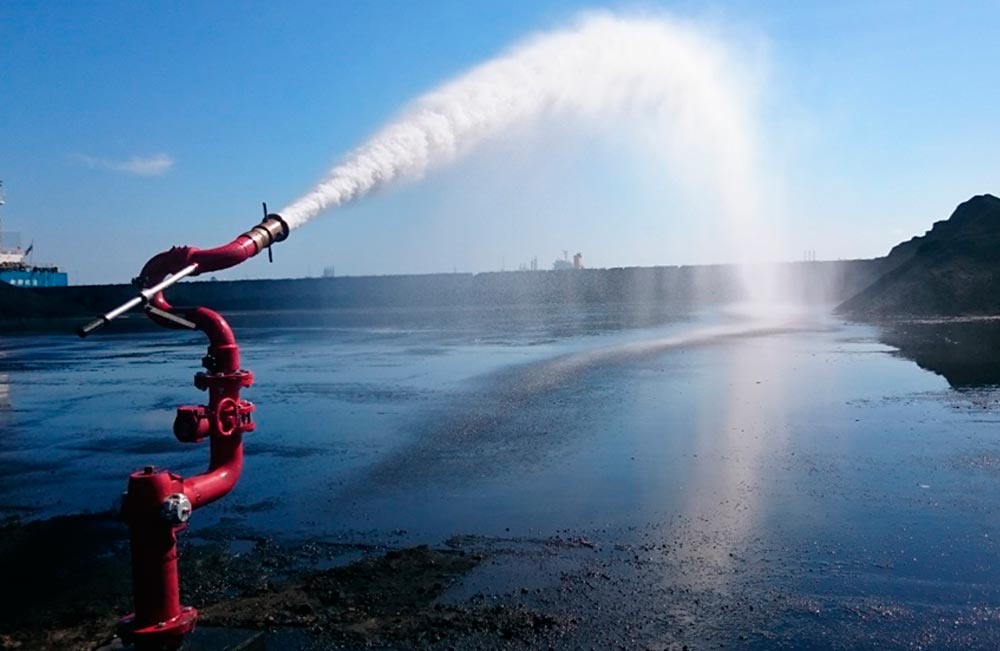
x,y
965,352
527,416
741,431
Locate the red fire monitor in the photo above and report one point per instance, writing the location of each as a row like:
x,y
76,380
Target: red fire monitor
x,y
158,503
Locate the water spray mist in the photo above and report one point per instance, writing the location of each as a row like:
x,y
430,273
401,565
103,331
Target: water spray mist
x,y
603,66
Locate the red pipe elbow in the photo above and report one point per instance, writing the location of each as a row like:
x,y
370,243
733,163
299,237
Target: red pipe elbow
x,y
226,462
220,335
223,471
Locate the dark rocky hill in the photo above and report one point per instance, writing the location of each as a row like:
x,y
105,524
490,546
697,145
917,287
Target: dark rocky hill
x,y
952,270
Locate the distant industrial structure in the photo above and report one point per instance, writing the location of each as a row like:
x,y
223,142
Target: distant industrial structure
x,y
565,263
530,266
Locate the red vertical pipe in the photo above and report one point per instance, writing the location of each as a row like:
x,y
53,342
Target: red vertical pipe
x,y
160,621
153,547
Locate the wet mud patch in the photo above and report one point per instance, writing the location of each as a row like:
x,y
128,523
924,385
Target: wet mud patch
x,y
255,507
358,392
154,444
286,451
72,583
66,581
12,467
389,600
660,587
986,461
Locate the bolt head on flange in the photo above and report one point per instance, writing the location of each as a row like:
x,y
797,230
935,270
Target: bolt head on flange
x,y
176,509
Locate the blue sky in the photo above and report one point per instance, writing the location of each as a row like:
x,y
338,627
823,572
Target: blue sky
x,y
128,127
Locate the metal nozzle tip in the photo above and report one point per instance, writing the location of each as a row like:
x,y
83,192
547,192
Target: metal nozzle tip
x,y
285,230
271,230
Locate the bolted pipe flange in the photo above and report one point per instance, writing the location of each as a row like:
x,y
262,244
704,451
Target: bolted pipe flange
x,y
176,509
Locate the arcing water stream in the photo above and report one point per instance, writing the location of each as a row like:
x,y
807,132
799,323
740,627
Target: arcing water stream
x,y
602,67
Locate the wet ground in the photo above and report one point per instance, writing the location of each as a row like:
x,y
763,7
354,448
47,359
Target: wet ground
x,y
602,477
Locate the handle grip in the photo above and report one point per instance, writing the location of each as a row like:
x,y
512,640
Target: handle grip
x,y
85,330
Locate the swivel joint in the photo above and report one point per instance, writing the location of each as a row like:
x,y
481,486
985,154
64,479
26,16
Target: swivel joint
x,y
176,509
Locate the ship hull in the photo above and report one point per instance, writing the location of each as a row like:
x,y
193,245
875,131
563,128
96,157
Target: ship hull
x,y
34,277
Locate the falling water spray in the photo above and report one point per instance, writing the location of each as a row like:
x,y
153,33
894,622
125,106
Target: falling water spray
x,y
603,66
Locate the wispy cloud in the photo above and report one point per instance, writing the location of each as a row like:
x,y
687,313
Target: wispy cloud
x,y
155,165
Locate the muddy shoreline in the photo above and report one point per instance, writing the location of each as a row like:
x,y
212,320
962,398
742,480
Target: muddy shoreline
x,y
567,485
70,596
567,591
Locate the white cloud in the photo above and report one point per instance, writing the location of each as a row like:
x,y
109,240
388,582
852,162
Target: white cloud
x,y
155,165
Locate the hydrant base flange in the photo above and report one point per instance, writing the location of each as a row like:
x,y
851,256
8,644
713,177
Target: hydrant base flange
x,y
162,635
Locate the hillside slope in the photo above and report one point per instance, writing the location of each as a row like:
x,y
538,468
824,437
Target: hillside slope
x,y
952,270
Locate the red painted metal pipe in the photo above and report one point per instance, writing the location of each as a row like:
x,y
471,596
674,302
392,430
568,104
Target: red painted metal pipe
x,y
158,503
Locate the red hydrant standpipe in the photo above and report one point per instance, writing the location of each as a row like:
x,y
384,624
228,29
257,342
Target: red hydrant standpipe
x,y
158,503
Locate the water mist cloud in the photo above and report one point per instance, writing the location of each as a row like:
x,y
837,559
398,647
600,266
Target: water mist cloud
x,y
155,165
601,67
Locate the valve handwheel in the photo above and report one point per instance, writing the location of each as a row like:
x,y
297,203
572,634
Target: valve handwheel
x,y
228,416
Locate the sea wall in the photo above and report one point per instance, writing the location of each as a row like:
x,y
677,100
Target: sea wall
x,y
49,308
686,285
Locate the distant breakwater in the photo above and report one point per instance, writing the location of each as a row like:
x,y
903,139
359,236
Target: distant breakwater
x,y
819,282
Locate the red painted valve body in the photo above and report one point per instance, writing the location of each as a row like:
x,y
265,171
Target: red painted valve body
x,y
160,622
